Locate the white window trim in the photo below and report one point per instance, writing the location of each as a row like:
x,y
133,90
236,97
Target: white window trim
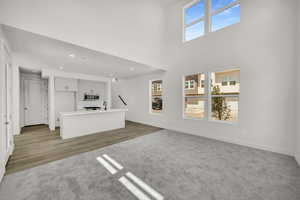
x,y
150,97
208,97
206,18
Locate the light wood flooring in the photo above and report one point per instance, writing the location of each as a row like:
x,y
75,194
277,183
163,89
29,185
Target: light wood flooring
x,y
36,145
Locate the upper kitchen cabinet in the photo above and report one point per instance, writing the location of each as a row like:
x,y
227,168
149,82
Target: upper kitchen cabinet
x,y
66,84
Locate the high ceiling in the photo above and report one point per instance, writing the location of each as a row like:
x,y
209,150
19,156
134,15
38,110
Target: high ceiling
x,y
71,58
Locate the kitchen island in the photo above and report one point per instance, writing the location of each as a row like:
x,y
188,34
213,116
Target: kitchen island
x,y
80,123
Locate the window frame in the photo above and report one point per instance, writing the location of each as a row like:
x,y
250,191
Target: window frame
x,y
208,97
222,95
150,96
215,12
232,83
203,18
205,97
207,18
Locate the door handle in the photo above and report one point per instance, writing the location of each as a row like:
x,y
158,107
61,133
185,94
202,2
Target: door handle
x,y
25,108
6,123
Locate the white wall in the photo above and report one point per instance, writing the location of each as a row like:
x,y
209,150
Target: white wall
x,y
64,102
117,89
297,155
262,46
129,29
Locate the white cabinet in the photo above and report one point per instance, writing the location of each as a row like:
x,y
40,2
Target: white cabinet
x,y
66,84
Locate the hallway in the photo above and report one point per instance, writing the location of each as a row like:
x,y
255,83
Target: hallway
x,y
37,145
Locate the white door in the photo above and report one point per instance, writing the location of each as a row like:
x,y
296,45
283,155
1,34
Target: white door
x,y
6,138
33,107
8,107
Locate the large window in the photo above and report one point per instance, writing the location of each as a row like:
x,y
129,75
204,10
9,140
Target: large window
x,y
203,16
215,95
156,101
194,96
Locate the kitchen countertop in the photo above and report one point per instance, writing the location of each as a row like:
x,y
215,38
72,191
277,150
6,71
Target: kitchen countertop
x,y
84,112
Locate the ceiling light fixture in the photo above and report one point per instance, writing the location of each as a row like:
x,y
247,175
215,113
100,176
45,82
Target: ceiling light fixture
x,y
131,69
61,67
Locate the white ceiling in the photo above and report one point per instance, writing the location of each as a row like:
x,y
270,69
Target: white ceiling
x,y
56,53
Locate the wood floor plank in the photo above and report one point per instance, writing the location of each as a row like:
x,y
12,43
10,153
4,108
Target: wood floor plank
x,y
37,145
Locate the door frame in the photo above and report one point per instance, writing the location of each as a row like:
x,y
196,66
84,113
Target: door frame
x,y
44,91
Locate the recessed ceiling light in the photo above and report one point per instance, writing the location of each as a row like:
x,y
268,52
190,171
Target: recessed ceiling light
x,y
61,67
115,80
72,55
131,69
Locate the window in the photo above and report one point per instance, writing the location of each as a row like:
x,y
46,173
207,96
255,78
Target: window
x,y
194,100
224,99
194,20
156,96
224,83
187,85
232,82
224,13
159,87
202,83
190,84
203,16
219,102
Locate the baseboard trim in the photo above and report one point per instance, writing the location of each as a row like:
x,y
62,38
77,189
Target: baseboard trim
x,y
232,141
242,143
